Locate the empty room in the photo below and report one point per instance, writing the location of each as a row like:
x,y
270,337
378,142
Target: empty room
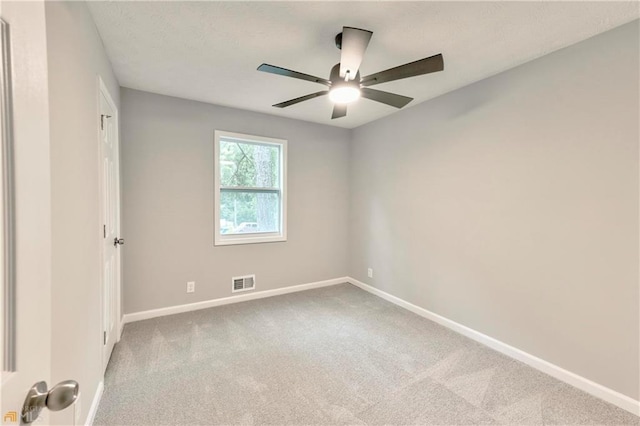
x,y
320,213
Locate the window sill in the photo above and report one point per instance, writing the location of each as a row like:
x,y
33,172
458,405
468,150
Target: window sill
x,y
235,240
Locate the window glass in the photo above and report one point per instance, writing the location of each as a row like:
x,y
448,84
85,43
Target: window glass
x,y
250,189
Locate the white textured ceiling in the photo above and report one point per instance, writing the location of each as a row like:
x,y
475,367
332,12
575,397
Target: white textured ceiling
x,y
209,51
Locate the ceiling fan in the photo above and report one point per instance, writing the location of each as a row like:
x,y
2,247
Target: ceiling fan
x,y
345,84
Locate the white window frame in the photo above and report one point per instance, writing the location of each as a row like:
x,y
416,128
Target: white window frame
x,y
265,237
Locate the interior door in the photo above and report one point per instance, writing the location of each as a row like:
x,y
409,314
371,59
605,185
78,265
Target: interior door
x,y
111,238
26,257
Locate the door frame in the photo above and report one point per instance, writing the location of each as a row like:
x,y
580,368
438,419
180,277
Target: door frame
x,y
103,90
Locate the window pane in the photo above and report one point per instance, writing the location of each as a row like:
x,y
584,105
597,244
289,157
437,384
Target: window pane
x,y
246,164
249,212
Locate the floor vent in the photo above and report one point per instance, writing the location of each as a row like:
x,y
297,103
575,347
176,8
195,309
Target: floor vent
x,y
248,282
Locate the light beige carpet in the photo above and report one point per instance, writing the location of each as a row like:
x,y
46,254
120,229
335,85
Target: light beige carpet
x,y
331,356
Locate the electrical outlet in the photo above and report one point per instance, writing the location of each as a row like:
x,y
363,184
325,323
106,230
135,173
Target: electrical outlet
x,y
191,287
370,273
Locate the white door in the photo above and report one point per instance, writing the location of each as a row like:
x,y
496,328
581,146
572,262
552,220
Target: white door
x,y
111,225
26,356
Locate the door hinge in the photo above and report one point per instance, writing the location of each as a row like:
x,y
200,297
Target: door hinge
x,y
104,337
102,117
104,231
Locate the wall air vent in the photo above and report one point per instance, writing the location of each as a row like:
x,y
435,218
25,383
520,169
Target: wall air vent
x,y
248,282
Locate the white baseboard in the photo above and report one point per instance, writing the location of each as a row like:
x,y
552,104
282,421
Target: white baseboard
x,y
584,384
94,404
139,316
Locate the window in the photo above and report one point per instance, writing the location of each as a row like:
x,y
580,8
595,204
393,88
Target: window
x,y
250,189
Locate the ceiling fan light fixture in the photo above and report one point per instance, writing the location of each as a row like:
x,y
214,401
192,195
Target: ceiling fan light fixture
x,y
344,94
345,85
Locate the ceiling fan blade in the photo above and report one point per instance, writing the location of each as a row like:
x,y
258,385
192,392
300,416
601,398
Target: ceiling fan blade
x,y
354,44
295,74
339,110
392,99
300,99
412,69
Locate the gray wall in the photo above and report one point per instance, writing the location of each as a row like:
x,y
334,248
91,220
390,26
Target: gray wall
x,y
511,206
167,211
75,59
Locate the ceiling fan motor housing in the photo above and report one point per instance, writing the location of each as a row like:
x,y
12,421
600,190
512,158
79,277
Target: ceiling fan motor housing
x,y
336,80
339,41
